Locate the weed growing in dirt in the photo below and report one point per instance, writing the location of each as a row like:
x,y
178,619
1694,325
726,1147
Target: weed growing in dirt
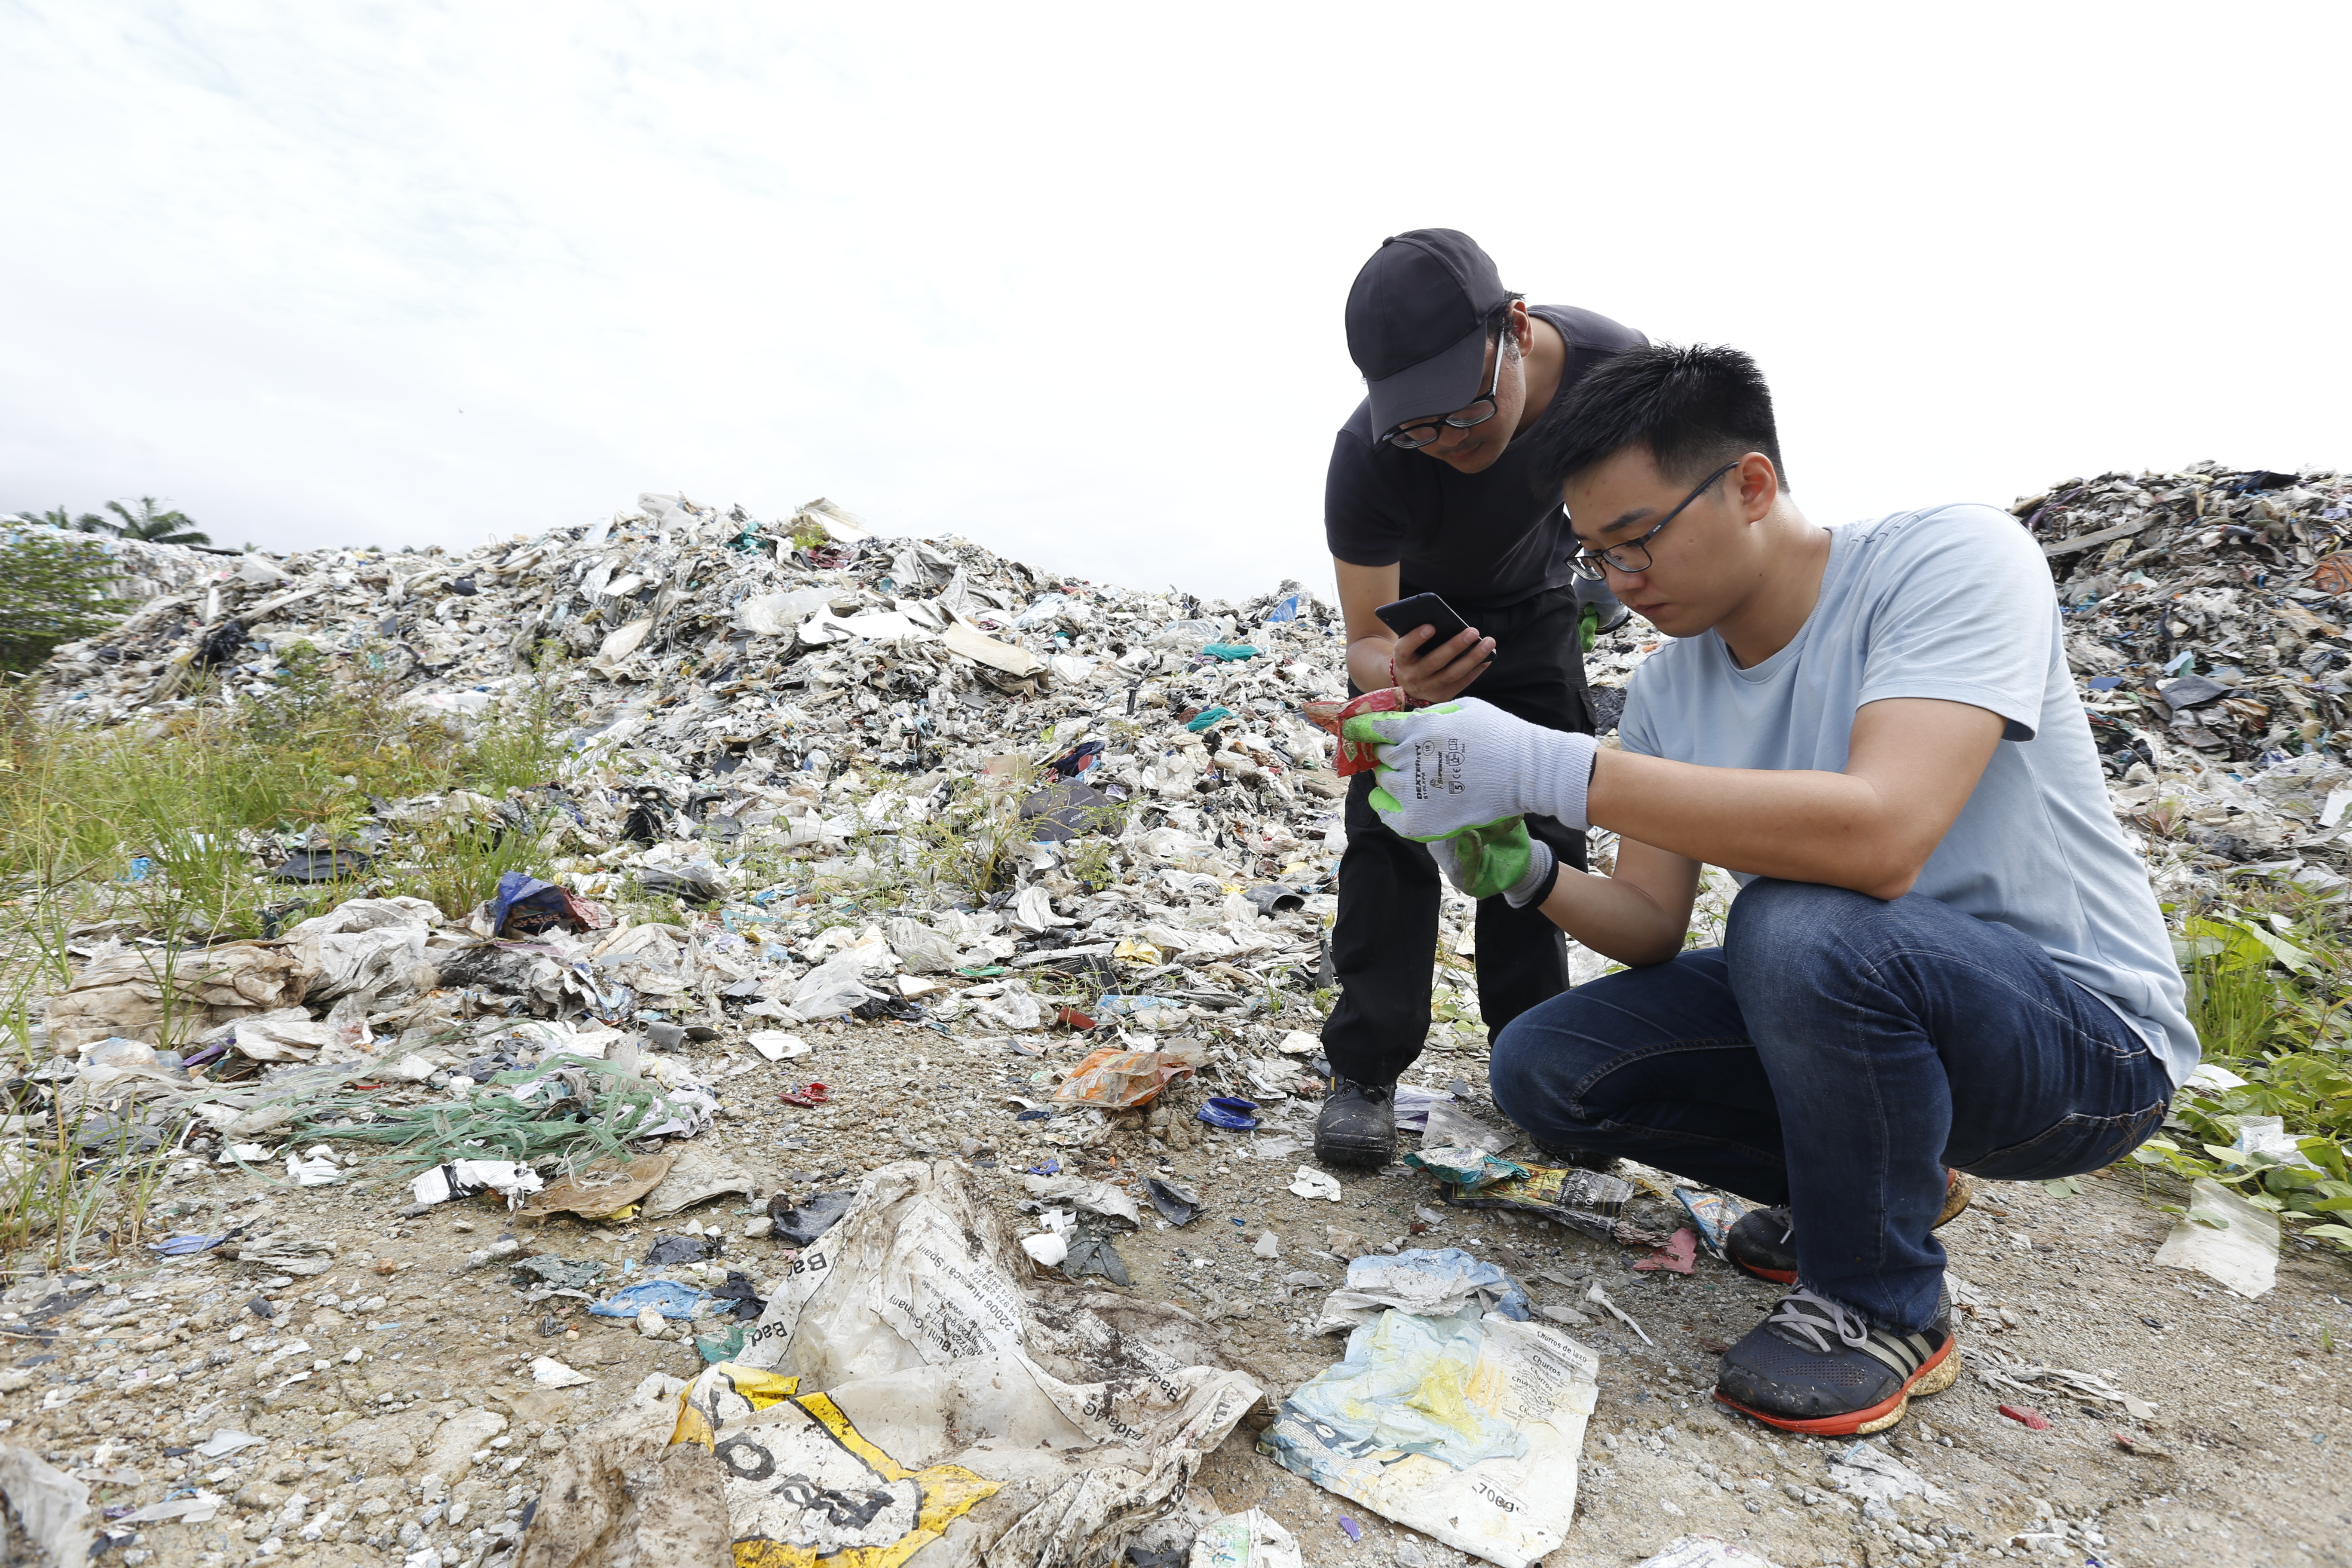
x,y
2267,994
170,827
204,797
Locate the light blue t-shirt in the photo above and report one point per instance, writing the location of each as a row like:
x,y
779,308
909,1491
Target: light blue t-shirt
x,y
1953,603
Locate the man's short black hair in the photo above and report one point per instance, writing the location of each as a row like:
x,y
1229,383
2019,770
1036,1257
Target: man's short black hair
x,y
1695,408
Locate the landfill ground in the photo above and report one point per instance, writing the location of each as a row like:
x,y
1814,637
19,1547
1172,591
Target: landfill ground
x,y
929,827
2239,1465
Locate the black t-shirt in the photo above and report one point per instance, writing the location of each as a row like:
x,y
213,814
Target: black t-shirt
x,y
1483,539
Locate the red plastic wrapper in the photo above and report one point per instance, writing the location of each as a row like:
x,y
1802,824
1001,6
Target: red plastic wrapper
x,y
1355,756
815,1094
1679,1253
2026,1415
1115,1079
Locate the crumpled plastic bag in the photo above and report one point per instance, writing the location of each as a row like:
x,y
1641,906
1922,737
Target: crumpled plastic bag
x,y
375,945
1467,1169
1865,1472
1429,1282
1000,1003
123,994
52,1507
1355,756
920,950
525,907
975,1413
1114,1079
837,985
1247,1540
284,1252
605,1188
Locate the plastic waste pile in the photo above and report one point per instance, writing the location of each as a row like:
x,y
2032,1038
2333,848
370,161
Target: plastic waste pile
x,y
782,724
2206,620
143,570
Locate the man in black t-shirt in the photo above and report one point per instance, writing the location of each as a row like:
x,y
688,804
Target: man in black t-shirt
x,y
1428,492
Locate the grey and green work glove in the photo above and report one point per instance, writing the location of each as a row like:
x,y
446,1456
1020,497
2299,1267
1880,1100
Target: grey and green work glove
x,y
1498,859
1467,763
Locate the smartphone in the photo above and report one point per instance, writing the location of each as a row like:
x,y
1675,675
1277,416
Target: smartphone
x,y
1424,610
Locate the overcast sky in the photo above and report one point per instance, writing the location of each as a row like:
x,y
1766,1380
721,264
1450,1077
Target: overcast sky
x,y
1069,280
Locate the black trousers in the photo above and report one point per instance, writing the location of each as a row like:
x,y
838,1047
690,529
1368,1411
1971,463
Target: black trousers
x,y
1384,938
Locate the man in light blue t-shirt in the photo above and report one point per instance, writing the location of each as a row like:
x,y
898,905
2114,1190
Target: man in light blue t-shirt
x,y
1944,957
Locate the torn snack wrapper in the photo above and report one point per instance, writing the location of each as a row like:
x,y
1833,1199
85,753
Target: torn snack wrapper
x,y
1355,756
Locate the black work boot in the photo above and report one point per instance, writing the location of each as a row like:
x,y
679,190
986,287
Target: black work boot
x,y
1357,1125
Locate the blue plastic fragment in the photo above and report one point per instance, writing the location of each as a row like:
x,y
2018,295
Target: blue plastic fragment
x,y
187,1246
1046,1168
1286,611
1229,1111
1208,716
2103,682
667,1297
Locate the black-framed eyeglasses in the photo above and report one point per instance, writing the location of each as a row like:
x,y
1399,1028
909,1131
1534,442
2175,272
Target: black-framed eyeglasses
x,y
1634,556
1415,434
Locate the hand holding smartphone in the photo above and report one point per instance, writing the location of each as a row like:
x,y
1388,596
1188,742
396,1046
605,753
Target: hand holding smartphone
x,y
1443,663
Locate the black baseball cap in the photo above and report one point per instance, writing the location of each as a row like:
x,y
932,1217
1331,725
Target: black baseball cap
x,y
1416,323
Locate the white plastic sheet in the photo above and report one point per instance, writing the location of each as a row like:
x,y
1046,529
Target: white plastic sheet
x,y
1499,1479
2243,1253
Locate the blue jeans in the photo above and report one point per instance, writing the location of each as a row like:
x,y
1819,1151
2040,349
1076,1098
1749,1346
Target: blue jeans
x,y
1835,1055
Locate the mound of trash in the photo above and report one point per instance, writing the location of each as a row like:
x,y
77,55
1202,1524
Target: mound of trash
x,y
871,772
2205,617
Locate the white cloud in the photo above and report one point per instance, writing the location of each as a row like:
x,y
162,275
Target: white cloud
x,y
995,270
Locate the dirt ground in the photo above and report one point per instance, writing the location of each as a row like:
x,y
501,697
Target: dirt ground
x,y
395,1399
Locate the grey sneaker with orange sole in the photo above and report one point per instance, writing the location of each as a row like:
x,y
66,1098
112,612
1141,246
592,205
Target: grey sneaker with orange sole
x,y
1817,1367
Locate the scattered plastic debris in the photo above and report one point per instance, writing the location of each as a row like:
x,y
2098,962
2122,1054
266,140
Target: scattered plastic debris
x,y
50,1505
1310,1183
465,1178
801,1223
1705,1552
1866,1470
1426,1282
1177,1205
1248,1540
1229,1111
908,1364
2026,1415
667,1297
1677,1257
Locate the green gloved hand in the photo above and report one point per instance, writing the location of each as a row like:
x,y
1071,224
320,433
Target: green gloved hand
x,y
1467,763
1499,860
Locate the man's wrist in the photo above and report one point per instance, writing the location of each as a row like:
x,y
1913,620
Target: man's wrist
x,y
1543,871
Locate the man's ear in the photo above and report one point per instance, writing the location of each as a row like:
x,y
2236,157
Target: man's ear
x,y
1760,486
